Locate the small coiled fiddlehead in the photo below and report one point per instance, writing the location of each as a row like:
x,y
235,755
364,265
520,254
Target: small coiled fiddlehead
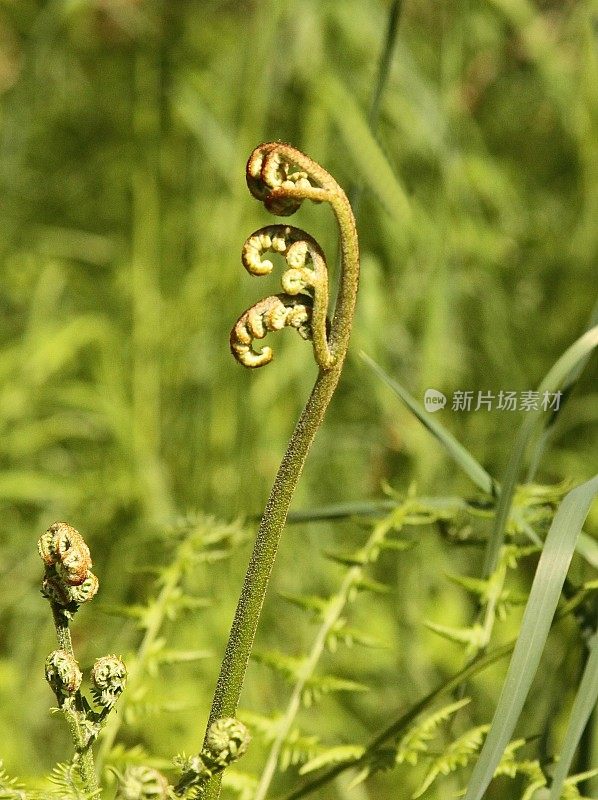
x,y
305,284
141,783
108,680
270,314
226,741
282,177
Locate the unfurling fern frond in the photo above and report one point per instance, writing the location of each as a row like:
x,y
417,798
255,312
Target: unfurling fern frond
x,y
139,711
473,637
170,657
341,754
570,790
349,636
140,782
330,612
381,760
273,313
465,749
121,757
416,740
191,541
481,589
67,784
292,669
411,746
315,605
297,746
457,755
288,667
319,685
536,779
371,551
530,770
366,584
10,788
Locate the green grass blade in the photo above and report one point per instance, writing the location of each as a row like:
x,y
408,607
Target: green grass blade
x,y
362,147
374,508
365,508
455,449
567,388
385,61
585,700
384,66
575,354
587,547
546,588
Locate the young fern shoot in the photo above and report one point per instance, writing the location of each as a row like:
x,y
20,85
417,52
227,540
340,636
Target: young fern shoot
x,y
68,583
282,177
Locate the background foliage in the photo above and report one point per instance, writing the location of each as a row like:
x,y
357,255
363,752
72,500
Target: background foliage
x,y
125,127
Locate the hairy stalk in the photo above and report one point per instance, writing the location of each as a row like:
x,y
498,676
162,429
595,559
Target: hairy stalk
x,y
271,179
337,604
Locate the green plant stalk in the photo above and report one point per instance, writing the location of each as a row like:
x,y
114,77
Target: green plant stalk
x,y
264,553
333,613
245,622
73,711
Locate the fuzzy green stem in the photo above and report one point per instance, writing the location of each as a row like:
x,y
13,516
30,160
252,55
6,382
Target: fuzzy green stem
x,y
264,553
244,627
333,614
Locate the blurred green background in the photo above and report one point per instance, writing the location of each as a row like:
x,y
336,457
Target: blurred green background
x,y
125,126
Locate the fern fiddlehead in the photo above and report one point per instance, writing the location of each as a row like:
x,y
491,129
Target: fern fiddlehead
x,y
305,298
282,177
270,314
68,583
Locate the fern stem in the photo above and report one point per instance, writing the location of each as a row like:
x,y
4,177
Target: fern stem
x,y
333,613
244,627
63,633
342,596
263,171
